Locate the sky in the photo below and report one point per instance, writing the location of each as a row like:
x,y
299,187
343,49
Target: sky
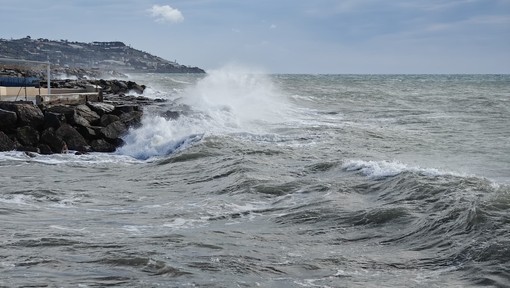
x,y
285,36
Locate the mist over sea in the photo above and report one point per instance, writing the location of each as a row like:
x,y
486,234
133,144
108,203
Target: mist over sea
x,y
275,181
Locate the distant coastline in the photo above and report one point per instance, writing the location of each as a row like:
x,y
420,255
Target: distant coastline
x,y
96,58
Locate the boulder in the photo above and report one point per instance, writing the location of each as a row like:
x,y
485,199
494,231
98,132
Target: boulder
x,y
27,136
8,120
6,144
135,87
80,121
49,137
101,108
30,115
125,108
67,111
132,118
108,119
27,113
85,112
116,87
122,84
117,142
100,145
89,132
72,138
114,130
54,120
44,149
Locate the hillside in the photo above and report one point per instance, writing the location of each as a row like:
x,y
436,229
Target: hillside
x,y
96,55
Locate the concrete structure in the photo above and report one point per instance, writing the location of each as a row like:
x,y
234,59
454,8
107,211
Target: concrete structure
x,y
58,95
20,93
68,98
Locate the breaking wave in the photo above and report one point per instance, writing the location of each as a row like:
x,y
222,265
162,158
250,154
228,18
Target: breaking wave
x,y
228,100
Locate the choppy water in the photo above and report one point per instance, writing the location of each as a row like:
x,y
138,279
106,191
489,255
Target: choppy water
x,y
276,181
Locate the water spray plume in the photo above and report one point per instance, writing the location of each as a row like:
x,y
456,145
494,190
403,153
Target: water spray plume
x,y
228,100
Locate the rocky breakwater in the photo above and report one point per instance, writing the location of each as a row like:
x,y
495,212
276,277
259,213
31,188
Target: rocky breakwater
x,y
90,127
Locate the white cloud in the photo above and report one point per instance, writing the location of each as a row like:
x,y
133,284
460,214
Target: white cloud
x,y
166,13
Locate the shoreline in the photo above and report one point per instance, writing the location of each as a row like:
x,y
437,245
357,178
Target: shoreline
x,y
89,127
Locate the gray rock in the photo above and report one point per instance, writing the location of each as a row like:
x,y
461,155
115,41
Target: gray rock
x,y
100,145
88,132
101,108
67,111
125,108
122,85
54,120
30,115
44,149
27,136
114,130
6,144
8,120
108,119
85,112
27,114
72,138
80,121
49,137
135,87
132,118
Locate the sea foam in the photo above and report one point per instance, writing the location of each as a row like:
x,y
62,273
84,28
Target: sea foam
x,y
382,169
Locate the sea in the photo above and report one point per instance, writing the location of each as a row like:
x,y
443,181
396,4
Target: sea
x,y
247,179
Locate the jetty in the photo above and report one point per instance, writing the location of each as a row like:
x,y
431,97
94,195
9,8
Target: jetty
x,y
66,115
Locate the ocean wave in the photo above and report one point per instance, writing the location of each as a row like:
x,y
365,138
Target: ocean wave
x,y
226,102
90,159
159,137
382,169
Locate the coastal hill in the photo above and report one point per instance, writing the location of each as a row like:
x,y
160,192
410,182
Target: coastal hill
x,y
105,56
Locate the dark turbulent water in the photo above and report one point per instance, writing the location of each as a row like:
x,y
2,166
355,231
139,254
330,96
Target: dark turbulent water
x,y
276,181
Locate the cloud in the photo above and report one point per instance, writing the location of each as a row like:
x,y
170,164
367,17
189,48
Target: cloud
x,y
166,13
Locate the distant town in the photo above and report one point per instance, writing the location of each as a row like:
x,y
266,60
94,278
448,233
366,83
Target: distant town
x,y
113,55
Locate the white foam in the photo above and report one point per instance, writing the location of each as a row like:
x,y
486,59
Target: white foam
x,y
179,81
63,228
159,136
134,229
153,93
226,101
68,158
381,169
181,223
19,200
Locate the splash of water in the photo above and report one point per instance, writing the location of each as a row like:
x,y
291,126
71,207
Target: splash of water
x,y
228,100
238,96
159,136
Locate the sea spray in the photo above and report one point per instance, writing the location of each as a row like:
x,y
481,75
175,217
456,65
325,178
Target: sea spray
x,y
238,97
226,101
159,136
